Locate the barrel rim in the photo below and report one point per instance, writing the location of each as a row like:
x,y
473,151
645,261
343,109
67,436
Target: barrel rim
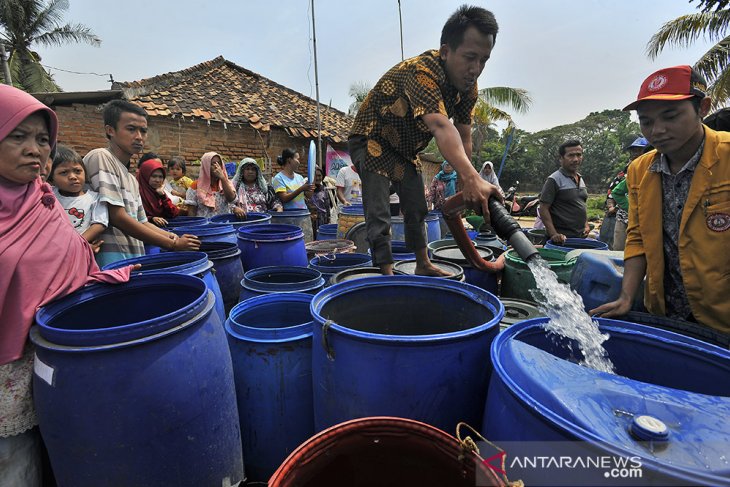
x,y
198,263
556,420
201,308
227,250
286,232
290,213
463,261
315,261
232,218
206,230
269,335
248,278
469,291
456,267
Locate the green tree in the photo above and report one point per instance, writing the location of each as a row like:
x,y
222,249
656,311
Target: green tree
x,y
25,23
712,25
487,112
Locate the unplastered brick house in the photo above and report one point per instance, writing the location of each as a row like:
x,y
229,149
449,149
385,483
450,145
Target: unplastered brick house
x,y
213,106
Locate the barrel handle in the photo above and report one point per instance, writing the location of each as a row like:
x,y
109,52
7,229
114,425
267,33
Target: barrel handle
x,y
325,341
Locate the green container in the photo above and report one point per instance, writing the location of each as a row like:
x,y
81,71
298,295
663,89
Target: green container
x,y
517,279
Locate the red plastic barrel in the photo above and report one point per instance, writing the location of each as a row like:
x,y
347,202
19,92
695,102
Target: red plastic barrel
x,y
379,451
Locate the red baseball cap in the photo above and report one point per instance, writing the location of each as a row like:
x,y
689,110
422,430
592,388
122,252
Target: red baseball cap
x,y
671,84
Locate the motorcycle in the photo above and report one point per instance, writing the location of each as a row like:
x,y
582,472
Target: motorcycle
x,y
520,205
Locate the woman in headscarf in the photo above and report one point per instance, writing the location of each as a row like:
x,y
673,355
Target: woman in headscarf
x,y
253,194
487,173
442,186
212,194
42,258
151,178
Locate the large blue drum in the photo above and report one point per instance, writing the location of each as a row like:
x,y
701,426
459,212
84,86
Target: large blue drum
x,y
271,245
405,346
133,385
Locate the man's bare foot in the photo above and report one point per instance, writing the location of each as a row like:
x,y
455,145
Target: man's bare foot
x,y
431,270
386,269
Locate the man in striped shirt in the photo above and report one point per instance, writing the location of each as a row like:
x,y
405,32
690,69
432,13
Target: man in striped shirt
x,y
125,125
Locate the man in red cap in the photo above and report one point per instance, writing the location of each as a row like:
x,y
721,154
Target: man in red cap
x,y
679,206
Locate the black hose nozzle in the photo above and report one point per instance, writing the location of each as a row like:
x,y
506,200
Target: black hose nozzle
x,y
508,229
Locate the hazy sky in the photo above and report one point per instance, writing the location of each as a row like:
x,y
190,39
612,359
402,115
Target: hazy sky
x,y
573,56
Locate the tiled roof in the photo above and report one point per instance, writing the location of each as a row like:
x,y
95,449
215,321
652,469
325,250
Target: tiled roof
x,y
222,91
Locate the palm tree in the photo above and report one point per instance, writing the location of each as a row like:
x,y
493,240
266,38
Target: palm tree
x,y
24,23
486,112
714,65
358,90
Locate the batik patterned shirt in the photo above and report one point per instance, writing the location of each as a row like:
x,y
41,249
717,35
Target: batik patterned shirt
x,y
390,116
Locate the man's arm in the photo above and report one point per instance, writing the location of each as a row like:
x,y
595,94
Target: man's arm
x,y
341,195
450,142
147,233
634,272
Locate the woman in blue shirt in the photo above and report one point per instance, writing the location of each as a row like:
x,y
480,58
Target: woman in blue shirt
x,y
288,185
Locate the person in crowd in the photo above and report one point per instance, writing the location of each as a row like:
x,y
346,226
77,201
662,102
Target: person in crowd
x,y
320,204
212,194
288,184
349,186
178,180
563,197
618,197
254,195
679,206
88,215
125,125
442,186
42,258
411,104
151,179
487,173
610,218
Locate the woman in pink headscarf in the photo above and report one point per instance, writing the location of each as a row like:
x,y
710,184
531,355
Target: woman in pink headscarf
x,y
212,194
42,258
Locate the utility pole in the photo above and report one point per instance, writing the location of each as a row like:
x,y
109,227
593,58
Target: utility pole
x,y
6,68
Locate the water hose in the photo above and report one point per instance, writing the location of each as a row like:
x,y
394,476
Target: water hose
x,y
505,226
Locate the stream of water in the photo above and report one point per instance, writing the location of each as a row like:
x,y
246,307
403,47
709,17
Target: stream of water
x,y
567,316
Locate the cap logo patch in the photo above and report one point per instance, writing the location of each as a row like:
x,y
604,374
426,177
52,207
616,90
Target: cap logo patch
x,y
657,83
718,222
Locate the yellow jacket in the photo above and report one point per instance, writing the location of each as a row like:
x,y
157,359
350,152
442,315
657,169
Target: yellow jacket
x,y
704,252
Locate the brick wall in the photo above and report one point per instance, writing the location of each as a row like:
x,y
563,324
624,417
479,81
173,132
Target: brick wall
x,y
82,128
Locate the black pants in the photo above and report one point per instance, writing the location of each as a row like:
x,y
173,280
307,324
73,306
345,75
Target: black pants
x,y
376,203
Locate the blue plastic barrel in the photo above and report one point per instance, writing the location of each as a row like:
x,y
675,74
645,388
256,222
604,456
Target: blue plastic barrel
x,y
667,405
271,245
226,259
280,279
186,221
188,263
151,249
443,227
482,279
270,338
577,243
252,218
329,265
431,226
133,385
327,231
405,346
210,232
300,218
490,240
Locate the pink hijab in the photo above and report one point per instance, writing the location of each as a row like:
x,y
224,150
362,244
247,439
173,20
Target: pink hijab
x,y
206,194
41,256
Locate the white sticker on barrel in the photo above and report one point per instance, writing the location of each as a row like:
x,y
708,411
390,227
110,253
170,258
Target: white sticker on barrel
x,y
44,371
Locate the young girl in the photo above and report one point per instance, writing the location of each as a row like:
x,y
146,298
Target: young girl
x,y
288,185
157,204
87,214
179,182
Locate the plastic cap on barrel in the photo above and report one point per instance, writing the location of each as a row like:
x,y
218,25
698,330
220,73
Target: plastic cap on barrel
x,y
649,428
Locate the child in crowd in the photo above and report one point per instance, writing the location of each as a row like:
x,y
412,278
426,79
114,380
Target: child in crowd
x,y
151,178
288,185
320,204
87,214
179,182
